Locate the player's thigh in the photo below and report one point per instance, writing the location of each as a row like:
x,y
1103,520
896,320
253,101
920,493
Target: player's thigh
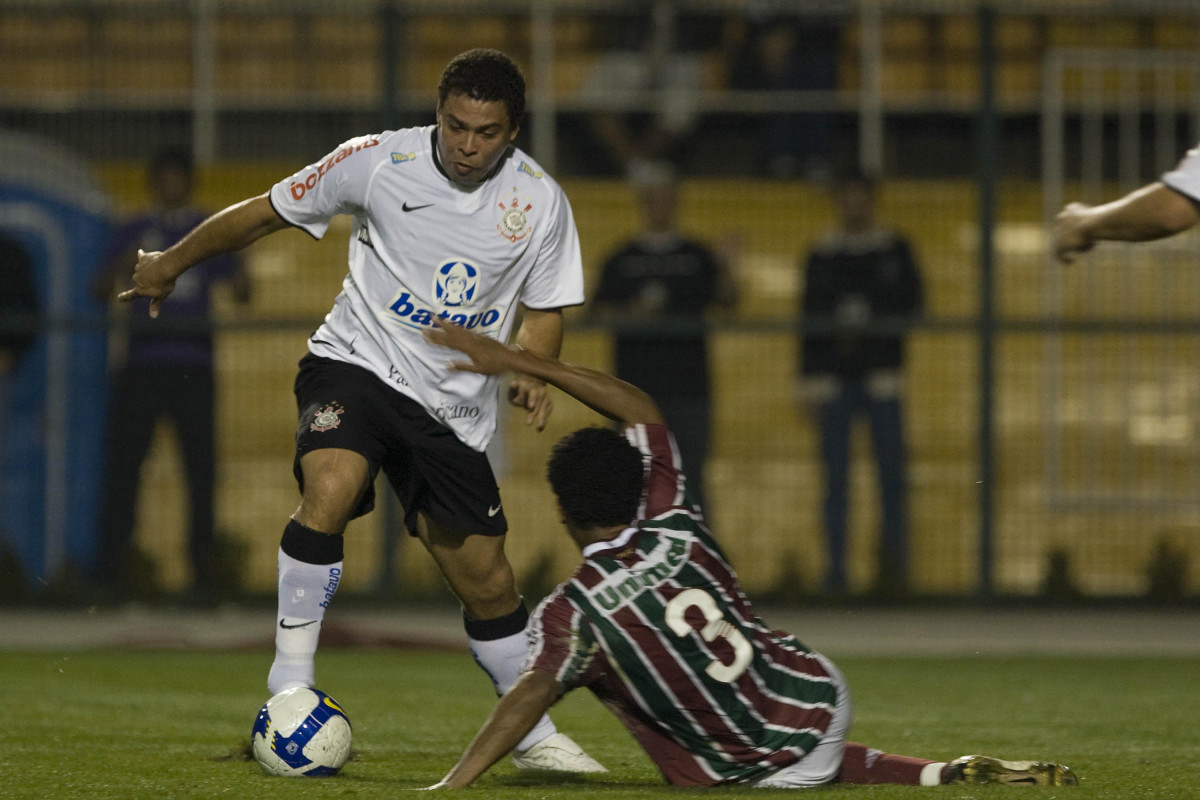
x,y
822,764
340,442
436,475
335,481
475,566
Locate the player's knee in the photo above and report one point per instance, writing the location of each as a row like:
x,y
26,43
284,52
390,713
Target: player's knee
x,y
328,502
492,594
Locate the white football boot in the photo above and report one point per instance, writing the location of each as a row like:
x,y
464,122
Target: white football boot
x,y
557,752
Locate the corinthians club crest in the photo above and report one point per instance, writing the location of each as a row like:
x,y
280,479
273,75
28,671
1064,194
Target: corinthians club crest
x,y
514,222
327,418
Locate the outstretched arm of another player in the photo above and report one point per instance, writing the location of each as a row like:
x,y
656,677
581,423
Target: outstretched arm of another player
x,y
1151,212
610,396
540,333
223,232
513,717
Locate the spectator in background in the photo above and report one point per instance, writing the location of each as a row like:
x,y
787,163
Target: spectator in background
x,y
863,275
647,55
662,277
163,372
791,54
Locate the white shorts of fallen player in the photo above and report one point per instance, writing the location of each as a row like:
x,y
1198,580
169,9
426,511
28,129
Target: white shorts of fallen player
x,y
824,761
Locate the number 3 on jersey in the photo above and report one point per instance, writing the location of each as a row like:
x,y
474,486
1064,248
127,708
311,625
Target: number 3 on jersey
x,y
715,628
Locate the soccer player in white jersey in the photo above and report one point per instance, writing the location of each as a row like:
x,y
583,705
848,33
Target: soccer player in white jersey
x,y
1155,211
450,222
654,622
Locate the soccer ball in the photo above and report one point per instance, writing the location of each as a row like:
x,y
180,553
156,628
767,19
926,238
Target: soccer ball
x,y
301,732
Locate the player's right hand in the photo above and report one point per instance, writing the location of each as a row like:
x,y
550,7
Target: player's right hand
x,y
1069,237
152,279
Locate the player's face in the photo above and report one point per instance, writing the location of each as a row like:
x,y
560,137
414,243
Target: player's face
x,y
472,136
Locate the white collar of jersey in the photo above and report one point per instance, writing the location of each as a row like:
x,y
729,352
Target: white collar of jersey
x,y
622,539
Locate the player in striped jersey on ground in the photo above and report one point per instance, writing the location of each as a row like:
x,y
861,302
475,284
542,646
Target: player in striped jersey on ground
x,y
655,623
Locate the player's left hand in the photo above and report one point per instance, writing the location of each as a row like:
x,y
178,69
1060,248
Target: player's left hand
x,y
532,395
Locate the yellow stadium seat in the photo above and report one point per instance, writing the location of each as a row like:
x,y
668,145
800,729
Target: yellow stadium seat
x,y
253,73
357,76
572,33
907,76
34,32
905,34
238,33
1084,32
571,69
151,73
131,35
1175,34
901,34
346,34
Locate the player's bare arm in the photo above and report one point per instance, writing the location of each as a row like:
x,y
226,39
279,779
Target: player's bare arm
x,y
540,333
1151,212
610,396
513,717
231,229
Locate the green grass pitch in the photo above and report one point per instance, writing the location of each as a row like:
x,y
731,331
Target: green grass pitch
x,y
155,724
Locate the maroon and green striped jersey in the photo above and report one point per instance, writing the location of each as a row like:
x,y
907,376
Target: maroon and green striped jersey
x,y
656,624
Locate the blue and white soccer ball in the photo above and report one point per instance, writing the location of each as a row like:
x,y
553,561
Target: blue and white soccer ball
x,y
301,732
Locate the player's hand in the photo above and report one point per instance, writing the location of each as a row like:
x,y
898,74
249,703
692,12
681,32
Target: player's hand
x,y
1070,237
532,395
152,279
487,356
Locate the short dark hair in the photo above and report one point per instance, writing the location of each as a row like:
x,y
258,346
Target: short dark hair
x,y
487,75
175,158
597,476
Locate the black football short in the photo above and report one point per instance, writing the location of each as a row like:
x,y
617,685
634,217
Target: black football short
x,y
430,469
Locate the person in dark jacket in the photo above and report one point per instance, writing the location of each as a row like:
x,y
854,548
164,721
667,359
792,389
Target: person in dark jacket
x,y
861,289
667,282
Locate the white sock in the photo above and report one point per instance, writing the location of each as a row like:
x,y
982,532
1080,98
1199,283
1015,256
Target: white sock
x,y
931,774
502,660
305,591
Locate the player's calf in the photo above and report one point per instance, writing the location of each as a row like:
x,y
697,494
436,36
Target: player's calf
x,y
310,569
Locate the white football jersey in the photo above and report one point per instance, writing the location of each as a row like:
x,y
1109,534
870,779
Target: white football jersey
x,y
1185,178
423,248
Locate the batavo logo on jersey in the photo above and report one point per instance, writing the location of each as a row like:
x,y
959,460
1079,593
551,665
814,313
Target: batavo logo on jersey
x,y
300,186
405,309
400,158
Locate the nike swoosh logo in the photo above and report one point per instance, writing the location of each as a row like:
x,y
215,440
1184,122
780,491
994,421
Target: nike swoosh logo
x,y
493,511
406,207
287,627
